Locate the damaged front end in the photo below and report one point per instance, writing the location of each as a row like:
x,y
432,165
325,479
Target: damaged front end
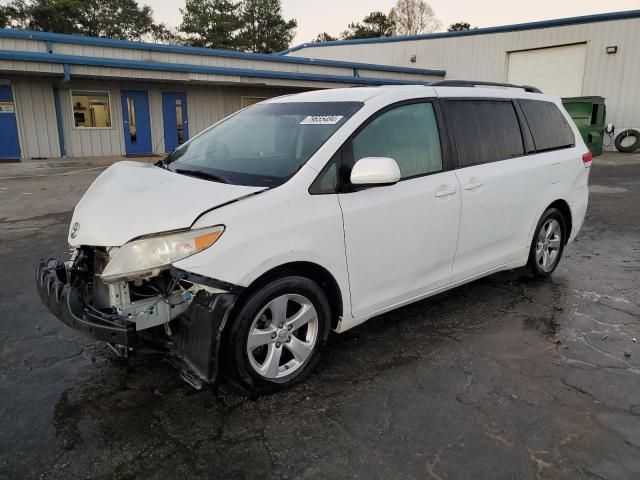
x,y
171,311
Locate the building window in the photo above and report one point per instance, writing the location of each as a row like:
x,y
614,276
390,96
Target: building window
x,y
248,101
91,109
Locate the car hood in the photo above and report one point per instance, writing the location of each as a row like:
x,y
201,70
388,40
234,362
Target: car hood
x,y
132,199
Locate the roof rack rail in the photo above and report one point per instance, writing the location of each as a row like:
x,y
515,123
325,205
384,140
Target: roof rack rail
x,y
473,83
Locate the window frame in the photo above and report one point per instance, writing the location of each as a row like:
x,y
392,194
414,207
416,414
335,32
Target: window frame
x,y
344,156
85,92
526,122
525,134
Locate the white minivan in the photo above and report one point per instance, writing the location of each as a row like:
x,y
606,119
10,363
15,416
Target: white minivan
x,y
240,251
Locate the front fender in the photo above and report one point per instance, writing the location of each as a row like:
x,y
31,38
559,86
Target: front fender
x,y
270,230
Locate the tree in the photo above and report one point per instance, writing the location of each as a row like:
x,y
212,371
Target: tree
x,y
457,27
211,23
374,25
7,14
325,37
264,29
161,33
123,19
411,17
62,16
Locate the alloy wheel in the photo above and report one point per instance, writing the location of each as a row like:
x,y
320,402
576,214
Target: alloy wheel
x,y
548,244
282,336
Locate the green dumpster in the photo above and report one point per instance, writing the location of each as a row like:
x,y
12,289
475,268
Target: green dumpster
x,y
589,114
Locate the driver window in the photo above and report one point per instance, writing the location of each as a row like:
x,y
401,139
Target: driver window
x,y
408,134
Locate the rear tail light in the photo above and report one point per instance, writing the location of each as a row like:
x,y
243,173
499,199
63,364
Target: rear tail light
x,y
586,159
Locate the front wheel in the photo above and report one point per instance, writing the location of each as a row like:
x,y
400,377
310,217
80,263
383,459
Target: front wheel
x,y
548,243
276,337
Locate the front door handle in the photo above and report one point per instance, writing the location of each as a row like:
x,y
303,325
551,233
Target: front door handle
x,y
473,184
445,191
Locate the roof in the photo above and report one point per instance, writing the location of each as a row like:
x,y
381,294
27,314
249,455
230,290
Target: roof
x,y
209,52
560,22
360,94
76,60
444,89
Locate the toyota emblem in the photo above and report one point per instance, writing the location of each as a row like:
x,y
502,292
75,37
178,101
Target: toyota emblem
x,y
74,229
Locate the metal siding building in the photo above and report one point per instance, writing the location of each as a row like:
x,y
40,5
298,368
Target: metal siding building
x,y
565,57
76,96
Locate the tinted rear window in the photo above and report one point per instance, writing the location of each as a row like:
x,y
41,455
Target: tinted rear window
x,y
548,126
484,130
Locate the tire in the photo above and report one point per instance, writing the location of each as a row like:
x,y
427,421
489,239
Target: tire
x,y
261,334
549,237
632,147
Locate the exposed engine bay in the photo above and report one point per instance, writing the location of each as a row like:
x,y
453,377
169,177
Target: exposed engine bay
x,y
166,312
147,302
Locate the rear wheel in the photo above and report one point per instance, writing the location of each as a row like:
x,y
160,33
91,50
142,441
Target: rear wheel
x,y
548,243
277,335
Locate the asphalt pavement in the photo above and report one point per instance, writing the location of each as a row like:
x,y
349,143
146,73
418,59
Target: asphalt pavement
x,y
502,378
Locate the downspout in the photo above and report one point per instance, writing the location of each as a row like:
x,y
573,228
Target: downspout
x,y
56,101
57,105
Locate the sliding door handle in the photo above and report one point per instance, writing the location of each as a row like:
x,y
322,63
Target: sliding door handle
x,y
473,185
445,191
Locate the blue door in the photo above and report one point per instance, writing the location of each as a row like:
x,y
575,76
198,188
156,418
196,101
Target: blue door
x,y
9,145
174,115
137,126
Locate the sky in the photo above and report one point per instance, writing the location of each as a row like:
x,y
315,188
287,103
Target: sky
x,y
333,16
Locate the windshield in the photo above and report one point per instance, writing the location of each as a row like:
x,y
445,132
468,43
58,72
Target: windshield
x,y
263,145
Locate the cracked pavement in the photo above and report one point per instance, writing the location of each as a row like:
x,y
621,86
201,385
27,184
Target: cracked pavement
x,y
502,378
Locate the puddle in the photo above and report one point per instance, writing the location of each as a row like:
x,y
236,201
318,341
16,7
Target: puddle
x,y
603,189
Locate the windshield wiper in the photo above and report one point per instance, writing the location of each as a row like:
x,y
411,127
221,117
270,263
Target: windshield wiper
x,y
162,164
201,174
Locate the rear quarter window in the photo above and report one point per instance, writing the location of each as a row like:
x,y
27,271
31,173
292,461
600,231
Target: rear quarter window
x,y
484,130
549,128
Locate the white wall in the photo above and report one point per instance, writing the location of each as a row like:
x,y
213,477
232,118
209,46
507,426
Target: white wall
x,y
207,105
92,142
484,57
38,128
36,118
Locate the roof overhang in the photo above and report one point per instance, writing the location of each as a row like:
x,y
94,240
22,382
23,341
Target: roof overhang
x,y
226,73
356,69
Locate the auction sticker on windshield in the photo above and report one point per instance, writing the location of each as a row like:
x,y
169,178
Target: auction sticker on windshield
x,y
321,120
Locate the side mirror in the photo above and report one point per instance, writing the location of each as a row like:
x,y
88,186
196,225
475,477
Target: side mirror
x,y
375,171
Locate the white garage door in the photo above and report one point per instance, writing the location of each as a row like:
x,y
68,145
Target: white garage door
x,y
555,70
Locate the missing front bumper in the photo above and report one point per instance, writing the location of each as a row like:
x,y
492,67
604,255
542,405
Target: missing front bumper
x,y
65,302
192,348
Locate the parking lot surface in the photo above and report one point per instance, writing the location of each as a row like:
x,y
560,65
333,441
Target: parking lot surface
x,y
502,378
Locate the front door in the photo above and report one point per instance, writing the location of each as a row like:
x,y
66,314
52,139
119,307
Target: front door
x,y
174,115
400,239
9,145
137,126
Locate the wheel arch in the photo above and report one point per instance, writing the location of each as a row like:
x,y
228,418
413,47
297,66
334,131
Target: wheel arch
x,y
310,270
565,209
